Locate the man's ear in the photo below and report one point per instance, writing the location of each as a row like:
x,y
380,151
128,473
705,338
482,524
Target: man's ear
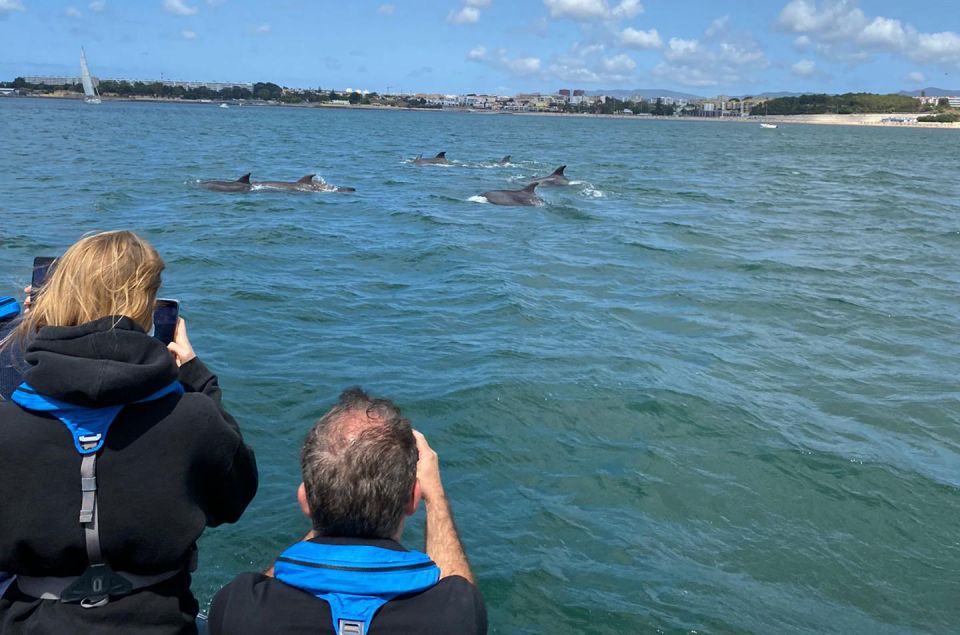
x,y
414,501
302,499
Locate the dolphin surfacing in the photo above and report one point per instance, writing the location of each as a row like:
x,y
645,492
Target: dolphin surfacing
x,y
240,185
505,160
440,159
525,197
556,179
304,184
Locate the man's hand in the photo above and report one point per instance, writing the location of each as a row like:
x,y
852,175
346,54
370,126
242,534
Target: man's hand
x,y
180,346
443,543
27,301
428,470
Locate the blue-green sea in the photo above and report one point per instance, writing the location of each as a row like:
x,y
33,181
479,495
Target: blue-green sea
x,y
710,387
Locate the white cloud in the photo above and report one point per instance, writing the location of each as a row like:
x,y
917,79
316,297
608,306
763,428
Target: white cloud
x,y
679,49
386,9
71,12
466,15
843,32
11,5
591,64
916,77
98,6
627,9
479,4
884,32
941,47
802,42
524,66
263,28
178,7
188,35
589,10
723,57
477,54
718,26
618,64
804,68
637,39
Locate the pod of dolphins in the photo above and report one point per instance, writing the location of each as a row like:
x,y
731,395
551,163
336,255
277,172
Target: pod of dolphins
x,y
525,196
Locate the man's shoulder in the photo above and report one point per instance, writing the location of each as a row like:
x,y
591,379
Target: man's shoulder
x,y
256,603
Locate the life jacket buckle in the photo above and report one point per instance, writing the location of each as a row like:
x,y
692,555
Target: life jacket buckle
x,y
95,586
350,627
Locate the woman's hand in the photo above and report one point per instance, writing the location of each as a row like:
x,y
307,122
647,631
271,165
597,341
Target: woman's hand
x,y
180,346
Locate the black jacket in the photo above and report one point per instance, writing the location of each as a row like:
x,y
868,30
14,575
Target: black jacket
x,y
168,469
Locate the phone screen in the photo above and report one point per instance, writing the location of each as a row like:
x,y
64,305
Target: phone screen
x,y
41,266
165,319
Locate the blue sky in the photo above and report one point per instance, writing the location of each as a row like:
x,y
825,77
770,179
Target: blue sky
x,y
502,46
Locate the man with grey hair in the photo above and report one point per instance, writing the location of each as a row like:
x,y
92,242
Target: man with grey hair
x,y
364,471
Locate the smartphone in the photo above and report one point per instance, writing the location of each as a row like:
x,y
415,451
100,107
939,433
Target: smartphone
x,y
165,316
41,267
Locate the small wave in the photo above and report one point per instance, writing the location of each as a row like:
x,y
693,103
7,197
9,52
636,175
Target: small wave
x,y
592,192
478,199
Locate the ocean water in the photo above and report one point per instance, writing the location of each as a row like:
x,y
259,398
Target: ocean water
x,y
711,387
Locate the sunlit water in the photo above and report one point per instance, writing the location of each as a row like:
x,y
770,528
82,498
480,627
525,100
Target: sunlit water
x,y
709,387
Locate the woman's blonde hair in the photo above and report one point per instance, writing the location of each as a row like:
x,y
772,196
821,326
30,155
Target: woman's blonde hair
x,y
111,273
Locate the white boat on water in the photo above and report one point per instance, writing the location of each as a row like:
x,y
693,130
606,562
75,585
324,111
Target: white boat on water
x,y
91,96
224,106
768,125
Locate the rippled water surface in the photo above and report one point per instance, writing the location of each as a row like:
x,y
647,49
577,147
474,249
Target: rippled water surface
x,y
710,387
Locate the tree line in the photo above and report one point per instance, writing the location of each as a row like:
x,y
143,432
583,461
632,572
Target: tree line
x,y
265,91
846,104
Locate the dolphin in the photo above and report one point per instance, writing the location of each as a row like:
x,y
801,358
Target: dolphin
x,y
557,178
440,159
240,185
505,160
305,184
526,196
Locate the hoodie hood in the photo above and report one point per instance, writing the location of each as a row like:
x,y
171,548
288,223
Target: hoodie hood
x,y
106,362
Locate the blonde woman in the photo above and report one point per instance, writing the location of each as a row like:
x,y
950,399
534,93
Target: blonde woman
x,y
116,454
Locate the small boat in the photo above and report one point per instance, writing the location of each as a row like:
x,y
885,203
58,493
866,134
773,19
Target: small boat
x,y
91,96
224,106
768,125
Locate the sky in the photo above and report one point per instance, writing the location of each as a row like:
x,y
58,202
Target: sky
x,y
702,47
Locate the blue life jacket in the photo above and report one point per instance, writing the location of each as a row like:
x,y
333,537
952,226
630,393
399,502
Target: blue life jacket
x,y
9,308
88,426
355,580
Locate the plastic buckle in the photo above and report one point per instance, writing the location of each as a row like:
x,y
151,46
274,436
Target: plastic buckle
x,y
350,627
95,586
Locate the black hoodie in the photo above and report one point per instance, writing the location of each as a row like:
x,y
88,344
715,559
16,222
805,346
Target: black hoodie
x,y
168,469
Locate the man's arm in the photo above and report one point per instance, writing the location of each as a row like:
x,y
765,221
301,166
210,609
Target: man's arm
x,y
443,543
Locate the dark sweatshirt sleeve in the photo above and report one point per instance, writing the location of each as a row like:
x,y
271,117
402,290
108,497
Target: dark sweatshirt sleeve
x,y
233,482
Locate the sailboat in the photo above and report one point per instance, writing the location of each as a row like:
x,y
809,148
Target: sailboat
x,y
90,93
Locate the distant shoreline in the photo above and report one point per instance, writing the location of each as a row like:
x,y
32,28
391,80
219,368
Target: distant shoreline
x,y
872,119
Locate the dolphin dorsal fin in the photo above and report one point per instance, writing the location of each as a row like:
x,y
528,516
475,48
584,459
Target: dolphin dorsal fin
x,y
505,159
441,155
531,187
307,179
559,171
419,156
244,179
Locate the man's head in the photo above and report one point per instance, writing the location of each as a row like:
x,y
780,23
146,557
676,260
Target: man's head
x,y
360,469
